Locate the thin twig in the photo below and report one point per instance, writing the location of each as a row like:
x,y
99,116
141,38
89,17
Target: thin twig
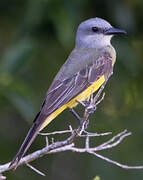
x,y
55,132
121,136
2,177
108,146
95,134
47,141
36,170
87,142
115,162
102,98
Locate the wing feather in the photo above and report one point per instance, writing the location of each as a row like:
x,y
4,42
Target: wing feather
x,y
62,92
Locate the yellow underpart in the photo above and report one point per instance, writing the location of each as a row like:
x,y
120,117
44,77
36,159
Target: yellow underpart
x,y
81,97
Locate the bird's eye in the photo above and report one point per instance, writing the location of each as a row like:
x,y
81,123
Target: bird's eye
x,y
94,29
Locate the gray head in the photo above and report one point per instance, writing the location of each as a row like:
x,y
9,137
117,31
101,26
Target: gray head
x,y
95,33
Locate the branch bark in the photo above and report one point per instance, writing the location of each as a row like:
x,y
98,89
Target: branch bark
x,y
68,144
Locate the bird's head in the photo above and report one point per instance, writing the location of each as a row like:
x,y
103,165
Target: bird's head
x,y
95,33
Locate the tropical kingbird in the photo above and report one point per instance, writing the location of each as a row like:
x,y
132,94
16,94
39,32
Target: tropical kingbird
x,y
88,66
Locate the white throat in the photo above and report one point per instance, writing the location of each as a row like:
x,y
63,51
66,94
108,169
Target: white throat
x,y
90,41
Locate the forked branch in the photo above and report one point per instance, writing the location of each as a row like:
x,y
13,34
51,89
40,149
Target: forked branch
x,y
69,145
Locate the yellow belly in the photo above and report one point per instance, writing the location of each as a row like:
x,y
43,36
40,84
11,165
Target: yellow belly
x,y
81,97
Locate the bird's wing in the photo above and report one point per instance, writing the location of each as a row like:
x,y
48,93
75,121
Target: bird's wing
x,y
62,92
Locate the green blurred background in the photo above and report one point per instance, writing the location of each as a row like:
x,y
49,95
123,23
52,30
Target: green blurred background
x,y
36,37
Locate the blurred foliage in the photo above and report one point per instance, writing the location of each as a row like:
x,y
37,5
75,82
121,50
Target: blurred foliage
x,y
97,178
36,37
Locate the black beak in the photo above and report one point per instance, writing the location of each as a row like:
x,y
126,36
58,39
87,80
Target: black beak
x,y
114,31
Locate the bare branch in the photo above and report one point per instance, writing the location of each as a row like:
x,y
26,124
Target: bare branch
x,y
47,141
87,142
68,144
36,170
56,132
2,177
115,162
94,134
121,136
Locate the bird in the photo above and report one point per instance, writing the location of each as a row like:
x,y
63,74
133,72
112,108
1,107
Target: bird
x,y
86,69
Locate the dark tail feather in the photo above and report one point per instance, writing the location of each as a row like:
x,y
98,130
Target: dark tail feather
x,y
32,133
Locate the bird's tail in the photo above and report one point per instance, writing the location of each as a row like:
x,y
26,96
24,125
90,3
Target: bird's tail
x,y
32,133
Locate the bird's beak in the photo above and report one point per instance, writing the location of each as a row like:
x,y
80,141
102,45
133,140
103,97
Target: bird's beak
x,y
114,31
